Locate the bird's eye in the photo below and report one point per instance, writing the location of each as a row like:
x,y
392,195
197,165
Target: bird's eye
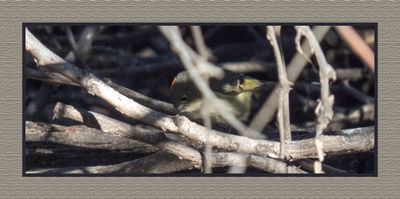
x,y
184,99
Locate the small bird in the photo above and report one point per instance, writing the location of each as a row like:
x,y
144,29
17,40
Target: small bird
x,y
235,91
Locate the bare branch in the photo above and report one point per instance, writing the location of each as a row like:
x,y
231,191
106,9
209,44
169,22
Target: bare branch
x,y
362,139
264,163
47,59
160,162
60,79
47,76
108,125
147,101
324,110
283,107
82,136
296,65
200,44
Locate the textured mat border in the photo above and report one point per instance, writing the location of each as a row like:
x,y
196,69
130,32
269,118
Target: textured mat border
x,y
13,13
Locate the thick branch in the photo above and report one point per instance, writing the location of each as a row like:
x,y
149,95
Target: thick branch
x,y
160,162
360,140
107,124
263,163
82,136
112,126
47,59
59,79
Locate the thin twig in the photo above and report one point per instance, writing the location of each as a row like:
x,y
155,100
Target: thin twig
x,y
296,65
324,109
53,77
283,107
162,162
203,51
207,148
200,43
147,101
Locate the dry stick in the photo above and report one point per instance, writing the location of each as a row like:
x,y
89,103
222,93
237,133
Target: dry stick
x,y
47,59
204,52
270,165
60,79
147,101
362,139
160,162
190,60
352,74
205,114
112,126
82,136
109,125
267,110
37,132
358,45
283,107
48,76
199,42
324,109
175,64
249,66
207,148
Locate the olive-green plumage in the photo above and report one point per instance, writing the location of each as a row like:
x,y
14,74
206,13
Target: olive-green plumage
x,y
235,91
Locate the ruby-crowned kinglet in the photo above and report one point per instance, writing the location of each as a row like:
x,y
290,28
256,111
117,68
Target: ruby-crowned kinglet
x,y
234,90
